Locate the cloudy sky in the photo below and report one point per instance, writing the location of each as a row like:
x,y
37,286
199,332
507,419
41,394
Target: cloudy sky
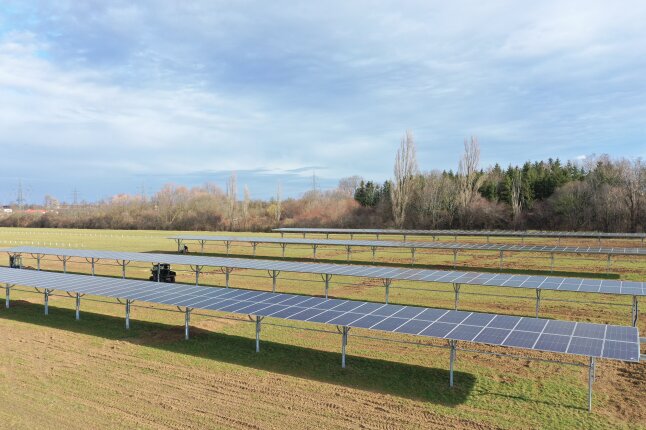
x,y
105,97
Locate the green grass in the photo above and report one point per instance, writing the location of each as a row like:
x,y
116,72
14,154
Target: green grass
x,y
494,391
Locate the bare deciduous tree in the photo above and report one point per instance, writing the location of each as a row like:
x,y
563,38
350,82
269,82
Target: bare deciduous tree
x,y
347,186
403,185
278,209
469,179
633,181
232,190
245,207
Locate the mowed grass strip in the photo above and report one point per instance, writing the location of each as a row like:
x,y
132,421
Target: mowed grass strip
x,y
95,373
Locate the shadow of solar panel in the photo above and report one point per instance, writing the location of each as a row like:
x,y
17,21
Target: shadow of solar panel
x,y
585,346
596,331
413,326
438,329
552,342
521,339
464,332
531,324
620,350
493,336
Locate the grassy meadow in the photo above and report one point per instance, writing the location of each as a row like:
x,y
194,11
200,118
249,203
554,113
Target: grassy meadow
x,y
93,373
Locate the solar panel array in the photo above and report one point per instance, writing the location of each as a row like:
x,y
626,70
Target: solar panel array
x,y
501,233
555,283
585,339
419,245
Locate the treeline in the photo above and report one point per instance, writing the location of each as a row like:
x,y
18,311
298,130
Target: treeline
x,y
598,194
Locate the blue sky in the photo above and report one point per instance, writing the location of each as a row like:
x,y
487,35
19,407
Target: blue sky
x,y
106,96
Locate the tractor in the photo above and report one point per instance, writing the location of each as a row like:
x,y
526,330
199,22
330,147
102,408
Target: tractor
x,y
163,272
15,261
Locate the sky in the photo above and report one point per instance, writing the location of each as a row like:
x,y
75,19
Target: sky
x,y
107,97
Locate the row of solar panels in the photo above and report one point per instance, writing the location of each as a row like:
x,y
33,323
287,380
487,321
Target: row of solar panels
x,y
416,245
585,339
632,288
499,233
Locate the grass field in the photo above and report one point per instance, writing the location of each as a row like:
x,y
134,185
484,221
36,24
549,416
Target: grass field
x,y
93,373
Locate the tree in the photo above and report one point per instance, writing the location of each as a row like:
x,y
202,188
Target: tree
x,y
469,178
349,185
245,207
278,208
515,197
633,181
231,199
403,185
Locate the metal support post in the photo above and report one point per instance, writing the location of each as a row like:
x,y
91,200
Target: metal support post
x,y
283,246
374,251
7,296
258,324
609,263
404,238
38,262
274,274
538,300
128,314
78,306
378,236
197,274
453,344
64,264
327,279
635,311
351,236
92,263
349,252
303,235
551,262
254,245
227,273
487,239
502,256
201,247
187,322
387,283
455,258
344,343
46,302
590,381
158,272
179,244
314,251
227,244
456,288
123,269
412,252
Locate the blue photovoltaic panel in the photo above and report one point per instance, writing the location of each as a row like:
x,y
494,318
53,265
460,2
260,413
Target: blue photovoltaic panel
x,y
499,233
617,342
414,245
555,283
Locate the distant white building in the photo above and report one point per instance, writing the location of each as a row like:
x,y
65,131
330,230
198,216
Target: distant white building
x,y
7,209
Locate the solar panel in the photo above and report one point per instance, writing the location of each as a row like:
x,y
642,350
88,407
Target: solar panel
x,y
554,283
500,233
417,245
591,340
